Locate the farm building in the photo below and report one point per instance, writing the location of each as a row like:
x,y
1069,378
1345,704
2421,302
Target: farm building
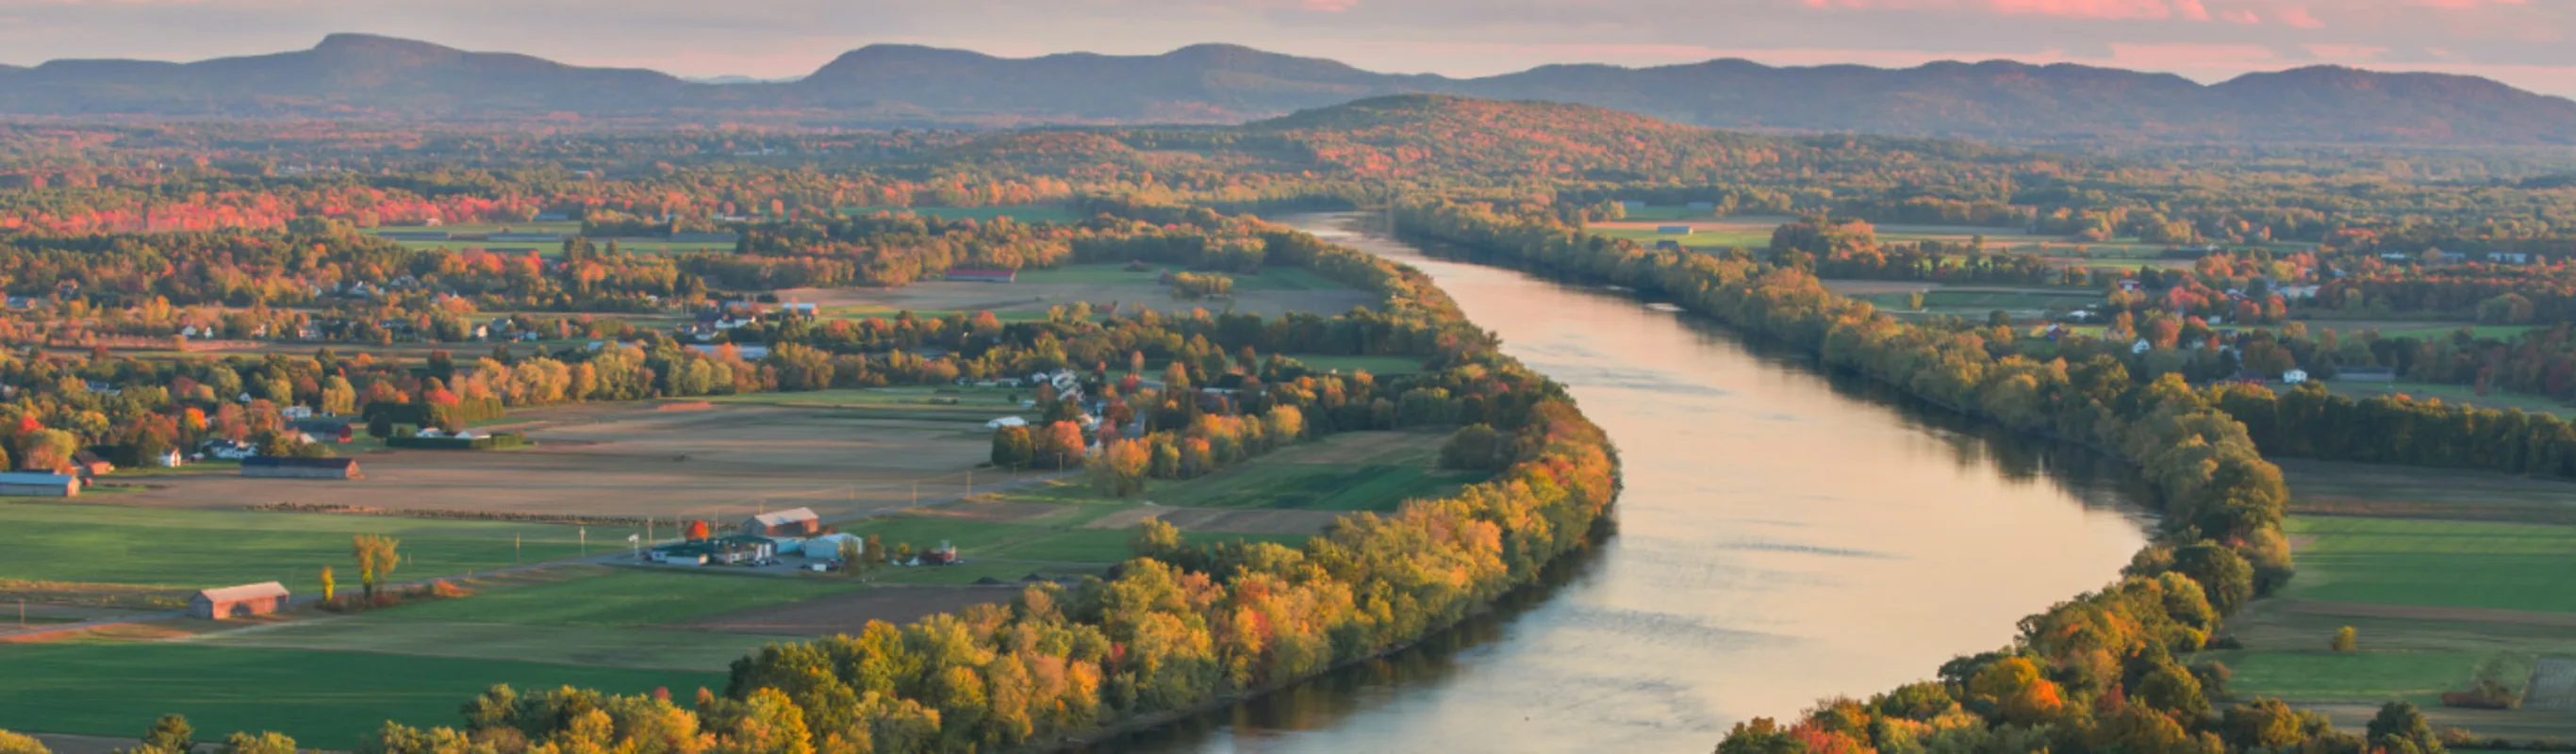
x,y
39,485
983,276
729,550
793,522
91,463
829,546
1673,230
238,601
289,467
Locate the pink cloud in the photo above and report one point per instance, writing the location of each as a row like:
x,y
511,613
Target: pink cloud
x,y
2299,16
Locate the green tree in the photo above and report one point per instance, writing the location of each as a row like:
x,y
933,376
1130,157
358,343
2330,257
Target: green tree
x,y
2402,728
270,742
1155,539
380,426
2264,723
1475,446
2224,576
1013,448
170,735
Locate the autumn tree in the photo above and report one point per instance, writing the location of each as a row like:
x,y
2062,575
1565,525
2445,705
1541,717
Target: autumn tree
x,y
1120,470
13,743
377,556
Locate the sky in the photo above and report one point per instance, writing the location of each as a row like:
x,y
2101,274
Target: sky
x,y
2522,42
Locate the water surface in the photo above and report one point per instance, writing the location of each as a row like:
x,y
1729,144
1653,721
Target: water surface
x,y
1784,536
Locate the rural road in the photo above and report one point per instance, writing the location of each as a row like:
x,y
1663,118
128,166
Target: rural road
x,y
50,630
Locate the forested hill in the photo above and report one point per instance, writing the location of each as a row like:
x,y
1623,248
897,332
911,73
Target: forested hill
x,y
350,75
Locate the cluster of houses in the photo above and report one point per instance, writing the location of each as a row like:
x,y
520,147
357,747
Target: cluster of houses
x,y
767,538
725,316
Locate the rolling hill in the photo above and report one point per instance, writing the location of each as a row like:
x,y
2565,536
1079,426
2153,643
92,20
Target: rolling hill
x,y
353,75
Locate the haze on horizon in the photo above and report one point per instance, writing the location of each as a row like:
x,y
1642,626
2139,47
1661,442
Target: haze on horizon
x,y
2520,42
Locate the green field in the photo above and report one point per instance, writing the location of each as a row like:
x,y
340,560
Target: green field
x,y
2014,298
2436,563
327,700
597,646
1031,213
1057,538
627,597
1375,365
2320,676
195,549
1272,279
973,404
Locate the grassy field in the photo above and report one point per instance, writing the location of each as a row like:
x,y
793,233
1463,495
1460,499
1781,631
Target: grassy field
x,y
2444,572
2324,676
195,549
1376,365
327,700
1032,213
620,597
1273,279
2436,563
597,646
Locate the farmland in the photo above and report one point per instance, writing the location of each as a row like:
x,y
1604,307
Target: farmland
x,y
639,460
2441,574
326,699
1272,293
1027,213
166,551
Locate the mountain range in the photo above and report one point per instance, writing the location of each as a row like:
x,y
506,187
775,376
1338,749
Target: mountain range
x,y
365,76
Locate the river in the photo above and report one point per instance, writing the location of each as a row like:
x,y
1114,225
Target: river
x,y
1783,536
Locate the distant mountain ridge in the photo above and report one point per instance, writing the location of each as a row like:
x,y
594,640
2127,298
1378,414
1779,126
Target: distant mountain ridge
x,y
358,75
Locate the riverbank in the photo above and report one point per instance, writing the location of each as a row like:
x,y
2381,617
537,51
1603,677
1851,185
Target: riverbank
x,y
2211,481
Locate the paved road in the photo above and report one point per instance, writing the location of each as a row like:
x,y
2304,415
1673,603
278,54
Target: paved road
x,y
43,631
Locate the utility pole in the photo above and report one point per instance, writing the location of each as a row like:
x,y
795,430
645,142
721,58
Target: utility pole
x,y
585,541
516,547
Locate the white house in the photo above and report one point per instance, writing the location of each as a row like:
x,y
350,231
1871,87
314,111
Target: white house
x,y
1007,421
2294,376
2142,346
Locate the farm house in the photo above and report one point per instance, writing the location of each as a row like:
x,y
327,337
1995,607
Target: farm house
x,y
238,601
39,485
793,522
288,467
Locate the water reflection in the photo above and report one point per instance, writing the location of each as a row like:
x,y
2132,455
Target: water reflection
x,y
1784,535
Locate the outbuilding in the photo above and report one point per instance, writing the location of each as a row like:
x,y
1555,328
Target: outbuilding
x,y
793,522
238,601
35,484
290,467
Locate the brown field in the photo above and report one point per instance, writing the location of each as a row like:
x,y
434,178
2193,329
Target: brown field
x,y
847,613
1227,520
2319,487
1851,287
635,460
1005,298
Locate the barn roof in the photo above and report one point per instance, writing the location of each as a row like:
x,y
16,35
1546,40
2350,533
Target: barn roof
x,y
791,515
244,592
31,477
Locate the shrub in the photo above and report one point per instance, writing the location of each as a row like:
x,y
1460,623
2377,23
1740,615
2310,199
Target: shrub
x,y
2346,640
